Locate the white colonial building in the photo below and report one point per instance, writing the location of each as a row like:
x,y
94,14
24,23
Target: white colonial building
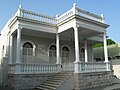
x,y
35,48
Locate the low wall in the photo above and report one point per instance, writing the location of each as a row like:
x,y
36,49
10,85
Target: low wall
x,y
93,79
26,81
116,67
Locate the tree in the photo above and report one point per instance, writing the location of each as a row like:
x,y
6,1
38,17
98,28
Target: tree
x,y
109,42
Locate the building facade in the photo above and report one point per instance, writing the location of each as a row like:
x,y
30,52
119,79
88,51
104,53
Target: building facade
x,y
34,47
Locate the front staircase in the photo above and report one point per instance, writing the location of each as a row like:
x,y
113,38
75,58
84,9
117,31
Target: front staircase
x,y
56,82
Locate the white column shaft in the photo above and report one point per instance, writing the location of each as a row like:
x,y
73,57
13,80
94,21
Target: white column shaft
x,y
105,47
77,57
86,54
18,48
58,49
10,49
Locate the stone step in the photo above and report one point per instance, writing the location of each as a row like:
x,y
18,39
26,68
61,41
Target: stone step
x,y
47,87
56,78
40,88
58,83
54,82
52,85
61,76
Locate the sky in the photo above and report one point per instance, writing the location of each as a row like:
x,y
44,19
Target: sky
x,y
110,9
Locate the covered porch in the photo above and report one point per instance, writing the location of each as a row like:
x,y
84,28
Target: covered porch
x,y
78,58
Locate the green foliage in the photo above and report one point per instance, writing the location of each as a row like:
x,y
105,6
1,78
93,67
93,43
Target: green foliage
x,y
98,45
109,42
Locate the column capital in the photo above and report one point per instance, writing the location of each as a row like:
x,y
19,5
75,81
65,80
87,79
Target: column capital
x,y
19,27
105,33
76,26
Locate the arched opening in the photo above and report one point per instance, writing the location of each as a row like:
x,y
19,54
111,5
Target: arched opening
x,y
65,54
27,48
28,52
52,54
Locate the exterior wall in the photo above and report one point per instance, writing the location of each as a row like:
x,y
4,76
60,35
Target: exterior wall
x,y
91,80
116,67
26,81
42,48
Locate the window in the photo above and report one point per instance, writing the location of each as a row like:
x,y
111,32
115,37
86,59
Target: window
x,y
52,51
27,49
82,50
52,54
27,45
65,52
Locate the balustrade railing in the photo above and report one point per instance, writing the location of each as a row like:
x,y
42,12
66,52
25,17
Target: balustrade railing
x,y
40,68
55,20
67,67
91,67
89,15
11,68
65,16
36,68
78,67
37,16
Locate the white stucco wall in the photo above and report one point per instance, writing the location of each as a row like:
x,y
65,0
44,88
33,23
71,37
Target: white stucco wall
x,y
42,55
42,48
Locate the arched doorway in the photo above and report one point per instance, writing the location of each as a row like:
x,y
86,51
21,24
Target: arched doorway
x,y
65,53
52,54
27,52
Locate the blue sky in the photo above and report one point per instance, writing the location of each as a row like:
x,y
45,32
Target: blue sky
x,y
110,9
